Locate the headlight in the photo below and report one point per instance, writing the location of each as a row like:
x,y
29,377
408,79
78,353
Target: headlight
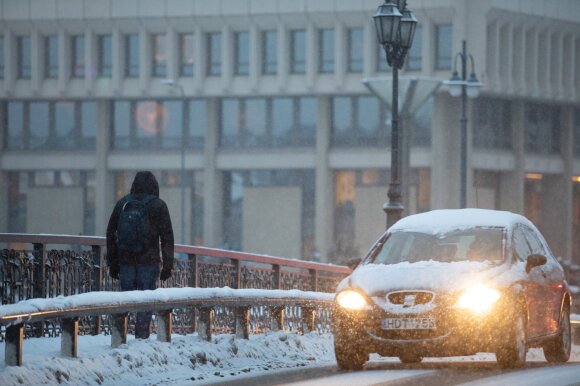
x,y
351,300
478,299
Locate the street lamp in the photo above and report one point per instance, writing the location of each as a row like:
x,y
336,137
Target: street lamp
x,y
172,83
395,26
464,87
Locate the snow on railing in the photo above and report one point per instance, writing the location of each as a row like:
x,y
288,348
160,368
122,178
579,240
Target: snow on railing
x,y
118,304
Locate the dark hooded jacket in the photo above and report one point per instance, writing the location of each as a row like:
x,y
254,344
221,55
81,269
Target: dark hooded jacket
x,y
160,229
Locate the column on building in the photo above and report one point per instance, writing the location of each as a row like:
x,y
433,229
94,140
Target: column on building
x,y
445,152
212,180
511,190
104,186
324,182
3,176
557,194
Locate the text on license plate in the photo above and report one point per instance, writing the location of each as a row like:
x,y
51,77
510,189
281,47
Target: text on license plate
x,y
408,324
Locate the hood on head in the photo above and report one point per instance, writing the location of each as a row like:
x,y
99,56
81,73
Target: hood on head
x,y
144,184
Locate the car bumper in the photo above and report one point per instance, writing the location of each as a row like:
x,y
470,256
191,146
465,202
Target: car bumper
x,y
458,332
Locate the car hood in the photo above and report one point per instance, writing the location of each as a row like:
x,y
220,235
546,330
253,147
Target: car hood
x,y
376,279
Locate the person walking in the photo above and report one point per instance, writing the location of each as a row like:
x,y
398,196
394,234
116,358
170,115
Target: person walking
x,y
139,241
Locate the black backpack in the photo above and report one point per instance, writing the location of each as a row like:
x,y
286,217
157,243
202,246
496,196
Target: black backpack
x,y
133,227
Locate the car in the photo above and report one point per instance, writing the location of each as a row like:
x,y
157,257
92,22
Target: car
x,y
454,282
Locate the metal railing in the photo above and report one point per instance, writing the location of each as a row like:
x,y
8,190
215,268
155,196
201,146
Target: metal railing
x,y
69,311
46,266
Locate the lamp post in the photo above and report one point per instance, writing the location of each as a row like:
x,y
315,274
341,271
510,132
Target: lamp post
x,y
172,83
395,25
464,87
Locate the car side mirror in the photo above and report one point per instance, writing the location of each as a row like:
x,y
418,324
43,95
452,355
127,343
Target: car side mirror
x,y
535,260
353,263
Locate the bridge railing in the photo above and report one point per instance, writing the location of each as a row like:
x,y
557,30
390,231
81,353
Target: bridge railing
x,y
69,310
46,266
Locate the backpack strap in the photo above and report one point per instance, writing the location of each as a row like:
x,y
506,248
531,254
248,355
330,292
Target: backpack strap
x,y
148,198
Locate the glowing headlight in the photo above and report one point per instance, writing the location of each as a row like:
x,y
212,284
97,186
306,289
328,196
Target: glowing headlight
x,y
351,300
478,299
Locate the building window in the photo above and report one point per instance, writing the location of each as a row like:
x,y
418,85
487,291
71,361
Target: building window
x,y
443,46
355,50
104,55
269,52
51,56
186,54
196,122
214,54
243,190
158,56
298,51
349,186
78,56
359,121
382,64
132,55
274,122
422,124
39,126
542,128
492,124
158,124
242,53
414,54
326,45
62,125
1,57
21,183
15,126
88,125
24,59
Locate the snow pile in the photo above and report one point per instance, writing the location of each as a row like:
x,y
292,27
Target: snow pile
x,y
444,220
149,362
103,298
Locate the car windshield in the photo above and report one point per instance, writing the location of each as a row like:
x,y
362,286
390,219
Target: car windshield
x,y
477,244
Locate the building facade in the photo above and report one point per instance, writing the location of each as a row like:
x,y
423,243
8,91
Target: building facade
x,y
267,139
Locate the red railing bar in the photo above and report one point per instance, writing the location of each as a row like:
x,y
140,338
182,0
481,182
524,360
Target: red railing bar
x,y
179,248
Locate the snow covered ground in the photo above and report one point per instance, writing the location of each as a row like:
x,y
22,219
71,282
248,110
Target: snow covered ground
x,y
186,359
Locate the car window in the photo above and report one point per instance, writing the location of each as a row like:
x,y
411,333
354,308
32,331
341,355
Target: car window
x,y
478,244
521,248
534,241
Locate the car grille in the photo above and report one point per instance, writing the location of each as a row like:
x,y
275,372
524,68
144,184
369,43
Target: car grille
x,y
421,297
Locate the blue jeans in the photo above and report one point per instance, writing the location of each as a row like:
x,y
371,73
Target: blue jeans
x,y
140,277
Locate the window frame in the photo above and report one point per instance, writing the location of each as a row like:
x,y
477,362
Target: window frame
x,y
23,57
77,58
131,42
104,59
326,65
298,54
51,59
185,67
269,59
355,64
214,54
158,43
241,56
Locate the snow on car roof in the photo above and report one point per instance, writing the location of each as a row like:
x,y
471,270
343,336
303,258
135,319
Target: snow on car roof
x,y
446,220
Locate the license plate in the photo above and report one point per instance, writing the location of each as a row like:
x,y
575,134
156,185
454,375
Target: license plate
x,y
409,324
